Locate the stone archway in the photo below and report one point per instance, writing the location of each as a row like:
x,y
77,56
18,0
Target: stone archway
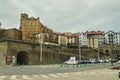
x,y
22,58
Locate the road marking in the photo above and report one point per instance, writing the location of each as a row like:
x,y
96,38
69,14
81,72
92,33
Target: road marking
x,y
85,73
2,77
26,77
75,73
60,74
13,77
34,75
80,73
53,75
44,76
65,73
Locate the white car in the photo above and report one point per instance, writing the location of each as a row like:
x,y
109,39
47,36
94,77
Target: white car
x,y
71,62
118,62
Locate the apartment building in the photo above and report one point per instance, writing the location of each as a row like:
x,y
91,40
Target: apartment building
x,y
58,38
95,39
117,38
83,39
112,38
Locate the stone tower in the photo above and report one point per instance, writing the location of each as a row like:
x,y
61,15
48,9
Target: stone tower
x,y
23,16
29,26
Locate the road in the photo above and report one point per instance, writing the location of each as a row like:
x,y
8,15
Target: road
x,y
97,72
48,69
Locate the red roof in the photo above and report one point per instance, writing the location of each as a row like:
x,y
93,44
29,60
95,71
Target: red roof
x,y
95,32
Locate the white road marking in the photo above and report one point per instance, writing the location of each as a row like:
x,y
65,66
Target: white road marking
x,y
26,77
65,73
44,76
2,77
35,75
13,77
53,75
76,73
60,74
85,73
32,77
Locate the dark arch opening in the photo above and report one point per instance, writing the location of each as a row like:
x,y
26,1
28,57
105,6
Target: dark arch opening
x,y
107,52
22,58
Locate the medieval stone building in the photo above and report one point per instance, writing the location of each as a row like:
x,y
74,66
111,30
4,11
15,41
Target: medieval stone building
x,y
12,33
31,26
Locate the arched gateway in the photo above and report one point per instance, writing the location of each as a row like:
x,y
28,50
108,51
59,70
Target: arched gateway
x,y
22,58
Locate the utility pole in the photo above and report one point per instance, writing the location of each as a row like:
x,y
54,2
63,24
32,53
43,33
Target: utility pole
x,y
41,46
79,47
98,51
0,24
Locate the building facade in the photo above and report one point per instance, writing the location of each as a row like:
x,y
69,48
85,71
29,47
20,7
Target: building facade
x,y
83,39
112,38
95,38
12,33
30,26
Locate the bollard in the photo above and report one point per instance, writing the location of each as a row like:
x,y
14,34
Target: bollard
x,y
67,65
76,65
61,65
86,65
82,65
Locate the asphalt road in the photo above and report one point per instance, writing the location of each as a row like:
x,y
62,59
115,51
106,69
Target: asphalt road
x,y
95,74
49,69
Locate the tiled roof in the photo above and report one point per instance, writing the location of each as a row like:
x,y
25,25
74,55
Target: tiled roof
x,y
95,32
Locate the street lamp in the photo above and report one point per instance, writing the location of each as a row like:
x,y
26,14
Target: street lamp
x,y
40,40
79,46
0,24
98,50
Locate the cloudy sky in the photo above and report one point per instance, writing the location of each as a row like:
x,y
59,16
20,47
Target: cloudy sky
x,y
64,15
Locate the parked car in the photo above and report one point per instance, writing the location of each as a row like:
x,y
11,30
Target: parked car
x,y
100,61
71,62
118,62
84,61
106,61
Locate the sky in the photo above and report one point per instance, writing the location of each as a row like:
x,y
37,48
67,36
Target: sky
x,y
64,15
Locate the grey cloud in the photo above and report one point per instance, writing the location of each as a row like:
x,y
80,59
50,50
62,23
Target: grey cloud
x,y
64,15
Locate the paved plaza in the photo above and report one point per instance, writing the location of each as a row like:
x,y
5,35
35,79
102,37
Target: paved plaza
x,y
97,74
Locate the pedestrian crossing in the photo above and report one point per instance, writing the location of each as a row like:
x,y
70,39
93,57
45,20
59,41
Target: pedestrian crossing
x,y
56,75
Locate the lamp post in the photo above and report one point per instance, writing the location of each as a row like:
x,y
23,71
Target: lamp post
x,y
0,24
98,51
79,47
40,40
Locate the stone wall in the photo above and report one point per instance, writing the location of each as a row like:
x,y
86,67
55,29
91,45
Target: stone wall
x,y
113,51
31,51
27,53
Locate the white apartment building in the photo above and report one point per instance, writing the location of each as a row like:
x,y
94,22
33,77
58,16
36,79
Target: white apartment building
x,y
111,37
83,39
117,38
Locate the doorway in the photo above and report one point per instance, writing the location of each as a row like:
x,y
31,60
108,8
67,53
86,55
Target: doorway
x,y
22,58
